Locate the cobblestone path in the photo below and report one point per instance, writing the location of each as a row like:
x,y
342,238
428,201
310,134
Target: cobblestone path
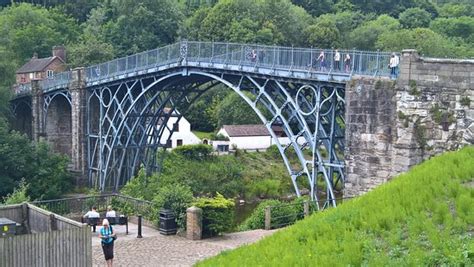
x,y
160,250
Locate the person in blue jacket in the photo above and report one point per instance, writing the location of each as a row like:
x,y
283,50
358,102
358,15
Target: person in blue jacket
x,y
107,236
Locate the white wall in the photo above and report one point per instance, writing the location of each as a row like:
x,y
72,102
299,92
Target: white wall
x,y
184,133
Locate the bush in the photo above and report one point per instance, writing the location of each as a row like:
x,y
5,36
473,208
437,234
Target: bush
x,y
266,188
176,198
194,152
18,195
282,214
217,214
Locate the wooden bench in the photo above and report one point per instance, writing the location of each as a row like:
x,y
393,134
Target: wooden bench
x,y
121,220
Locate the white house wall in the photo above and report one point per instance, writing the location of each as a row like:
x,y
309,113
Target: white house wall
x,y
184,133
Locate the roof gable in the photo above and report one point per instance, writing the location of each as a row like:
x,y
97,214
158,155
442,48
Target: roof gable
x,y
37,64
246,130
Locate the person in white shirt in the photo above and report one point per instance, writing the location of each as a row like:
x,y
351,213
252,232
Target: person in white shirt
x,y
337,60
92,218
110,212
92,213
393,65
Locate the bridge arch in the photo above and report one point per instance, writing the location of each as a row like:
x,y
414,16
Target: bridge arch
x,y
58,122
133,118
23,113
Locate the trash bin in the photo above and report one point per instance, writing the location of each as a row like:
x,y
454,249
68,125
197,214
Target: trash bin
x,y
7,227
168,224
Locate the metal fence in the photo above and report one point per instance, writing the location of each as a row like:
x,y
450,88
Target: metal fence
x,y
259,56
58,80
78,206
279,216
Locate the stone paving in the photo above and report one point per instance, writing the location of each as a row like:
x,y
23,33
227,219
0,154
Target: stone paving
x,y
155,249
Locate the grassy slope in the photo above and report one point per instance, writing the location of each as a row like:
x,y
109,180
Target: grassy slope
x,y
423,217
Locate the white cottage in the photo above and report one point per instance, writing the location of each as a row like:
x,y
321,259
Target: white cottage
x,y
250,136
182,134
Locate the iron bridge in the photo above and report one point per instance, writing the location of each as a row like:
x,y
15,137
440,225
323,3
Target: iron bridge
x,y
130,100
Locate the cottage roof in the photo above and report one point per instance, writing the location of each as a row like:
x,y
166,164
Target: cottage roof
x,y
246,130
37,64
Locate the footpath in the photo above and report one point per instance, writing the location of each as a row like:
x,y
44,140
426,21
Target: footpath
x,y
155,249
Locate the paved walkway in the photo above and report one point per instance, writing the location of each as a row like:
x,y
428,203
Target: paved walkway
x,y
155,249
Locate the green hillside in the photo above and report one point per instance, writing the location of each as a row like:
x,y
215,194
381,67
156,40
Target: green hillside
x,y
423,217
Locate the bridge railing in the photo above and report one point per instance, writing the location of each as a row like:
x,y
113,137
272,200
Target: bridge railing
x,y
59,80
274,57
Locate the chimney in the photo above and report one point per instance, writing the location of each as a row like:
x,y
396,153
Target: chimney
x,y
59,51
35,55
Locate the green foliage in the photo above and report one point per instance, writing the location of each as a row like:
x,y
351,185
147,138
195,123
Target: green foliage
x,y
28,28
455,10
415,18
462,27
19,195
323,34
366,35
194,152
234,110
217,214
421,218
44,171
270,22
465,101
176,198
219,137
282,214
263,188
420,133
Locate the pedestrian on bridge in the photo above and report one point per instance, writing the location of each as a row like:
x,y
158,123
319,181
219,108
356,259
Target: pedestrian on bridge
x,y
347,63
107,236
322,61
337,60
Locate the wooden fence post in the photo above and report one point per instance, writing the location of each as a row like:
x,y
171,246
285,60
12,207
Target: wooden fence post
x,y
268,218
306,208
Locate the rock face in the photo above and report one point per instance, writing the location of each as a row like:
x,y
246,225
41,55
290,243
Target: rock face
x,y
392,125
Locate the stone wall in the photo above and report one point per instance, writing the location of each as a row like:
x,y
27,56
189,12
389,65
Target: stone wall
x,y
59,125
393,125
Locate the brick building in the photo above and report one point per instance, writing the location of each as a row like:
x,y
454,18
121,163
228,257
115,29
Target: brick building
x,y
40,68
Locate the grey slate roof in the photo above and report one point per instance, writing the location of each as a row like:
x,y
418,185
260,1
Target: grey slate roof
x,y
36,64
246,130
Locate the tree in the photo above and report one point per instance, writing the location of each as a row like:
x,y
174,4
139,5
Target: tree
x,y
27,28
415,18
234,110
365,36
315,7
268,22
91,47
452,10
323,34
138,26
425,41
44,171
462,27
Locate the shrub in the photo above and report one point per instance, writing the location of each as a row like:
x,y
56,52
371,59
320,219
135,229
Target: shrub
x,y
194,152
282,214
18,195
217,214
266,188
176,198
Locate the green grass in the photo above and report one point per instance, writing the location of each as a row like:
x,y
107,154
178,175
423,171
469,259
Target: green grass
x,y
422,218
203,135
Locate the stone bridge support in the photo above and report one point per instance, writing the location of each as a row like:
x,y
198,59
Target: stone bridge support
x,y
77,89
392,125
37,103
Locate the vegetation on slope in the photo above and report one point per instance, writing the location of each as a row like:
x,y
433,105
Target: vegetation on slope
x,y
423,217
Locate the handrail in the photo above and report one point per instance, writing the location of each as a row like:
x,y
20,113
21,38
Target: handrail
x,y
224,54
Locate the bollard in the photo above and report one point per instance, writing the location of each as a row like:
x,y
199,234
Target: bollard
x,y
139,227
306,208
268,218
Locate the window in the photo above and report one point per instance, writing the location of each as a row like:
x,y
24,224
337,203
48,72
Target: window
x,y
179,142
223,148
31,76
23,79
49,73
176,127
